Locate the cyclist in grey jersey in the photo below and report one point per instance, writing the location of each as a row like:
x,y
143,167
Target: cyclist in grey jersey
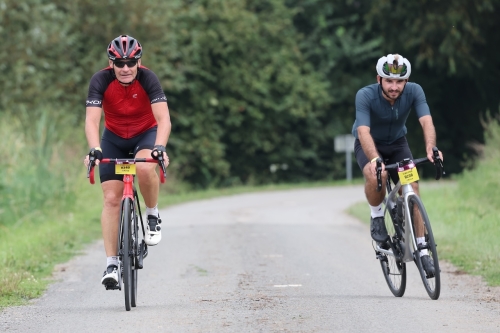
x,y
387,122
381,113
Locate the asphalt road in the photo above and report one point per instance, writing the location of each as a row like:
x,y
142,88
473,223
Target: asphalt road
x,y
288,261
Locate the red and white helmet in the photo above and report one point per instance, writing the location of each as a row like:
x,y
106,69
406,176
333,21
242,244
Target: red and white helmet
x,y
124,47
393,66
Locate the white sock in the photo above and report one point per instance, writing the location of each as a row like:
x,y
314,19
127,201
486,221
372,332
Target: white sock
x,y
376,211
421,240
113,260
152,211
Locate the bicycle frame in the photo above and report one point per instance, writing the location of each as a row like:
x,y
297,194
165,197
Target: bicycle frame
x,y
410,230
406,192
130,253
390,203
128,183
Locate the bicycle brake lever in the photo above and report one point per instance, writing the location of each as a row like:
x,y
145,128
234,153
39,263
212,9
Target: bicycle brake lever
x,y
91,165
379,174
438,163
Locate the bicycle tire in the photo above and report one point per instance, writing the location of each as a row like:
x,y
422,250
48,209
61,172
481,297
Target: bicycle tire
x,y
432,284
135,253
126,257
394,270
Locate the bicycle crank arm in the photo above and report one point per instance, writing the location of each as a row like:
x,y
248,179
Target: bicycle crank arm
x,y
381,250
143,253
113,287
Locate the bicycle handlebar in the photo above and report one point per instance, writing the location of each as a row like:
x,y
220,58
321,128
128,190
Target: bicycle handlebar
x,y
160,162
438,163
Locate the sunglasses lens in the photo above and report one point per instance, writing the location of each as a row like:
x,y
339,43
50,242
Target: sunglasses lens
x,y
121,64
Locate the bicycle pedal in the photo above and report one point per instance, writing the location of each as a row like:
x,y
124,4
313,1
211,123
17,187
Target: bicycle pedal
x,y
140,265
112,286
143,253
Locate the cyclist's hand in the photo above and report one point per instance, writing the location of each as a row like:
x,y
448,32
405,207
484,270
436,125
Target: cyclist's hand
x,y
373,168
430,155
94,156
158,153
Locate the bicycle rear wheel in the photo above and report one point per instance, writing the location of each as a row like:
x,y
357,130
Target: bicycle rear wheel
x,y
135,253
432,281
126,241
394,270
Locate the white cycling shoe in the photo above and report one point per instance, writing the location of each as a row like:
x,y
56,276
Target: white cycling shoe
x,y
110,277
153,230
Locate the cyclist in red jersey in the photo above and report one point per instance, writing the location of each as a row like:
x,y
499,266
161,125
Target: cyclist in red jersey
x,y
137,121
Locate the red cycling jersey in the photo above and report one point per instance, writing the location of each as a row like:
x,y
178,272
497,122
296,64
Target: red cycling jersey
x,y
127,109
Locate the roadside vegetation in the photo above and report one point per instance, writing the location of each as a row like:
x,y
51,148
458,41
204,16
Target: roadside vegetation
x,y
465,213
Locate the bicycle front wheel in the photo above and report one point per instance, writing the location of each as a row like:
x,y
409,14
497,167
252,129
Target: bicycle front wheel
x,y
135,255
126,242
394,270
429,271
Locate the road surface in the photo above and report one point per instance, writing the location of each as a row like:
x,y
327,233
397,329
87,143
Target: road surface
x,y
288,261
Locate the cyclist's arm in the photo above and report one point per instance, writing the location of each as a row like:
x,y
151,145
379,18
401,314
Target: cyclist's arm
x,y
162,116
92,121
363,123
368,146
429,136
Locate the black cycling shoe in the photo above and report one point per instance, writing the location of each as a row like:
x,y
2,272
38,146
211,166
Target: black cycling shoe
x,y
428,265
384,245
378,230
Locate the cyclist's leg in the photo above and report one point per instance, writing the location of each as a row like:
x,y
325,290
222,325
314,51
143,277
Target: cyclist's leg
x,y
149,185
378,229
112,187
374,198
112,192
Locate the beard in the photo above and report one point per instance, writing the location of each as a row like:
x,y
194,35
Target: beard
x,y
388,92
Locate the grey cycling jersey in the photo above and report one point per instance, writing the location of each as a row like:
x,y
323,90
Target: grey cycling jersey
x,y
386,121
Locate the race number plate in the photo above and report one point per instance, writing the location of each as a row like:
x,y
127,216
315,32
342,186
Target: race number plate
x,y
408,176
125,169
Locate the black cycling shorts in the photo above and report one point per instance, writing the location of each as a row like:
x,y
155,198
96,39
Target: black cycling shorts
x,y
114,146
395,152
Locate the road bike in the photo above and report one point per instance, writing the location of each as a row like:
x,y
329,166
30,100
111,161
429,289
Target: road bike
x,y
131,253
408,227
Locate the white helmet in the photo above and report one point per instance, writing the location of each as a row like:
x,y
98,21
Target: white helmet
x,y
394,66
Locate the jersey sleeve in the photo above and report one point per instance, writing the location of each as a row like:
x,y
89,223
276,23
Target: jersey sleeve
x,y
97,87
152,86
419,102
362,104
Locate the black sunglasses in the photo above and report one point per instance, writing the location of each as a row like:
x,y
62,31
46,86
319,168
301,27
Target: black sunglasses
x,y
122,63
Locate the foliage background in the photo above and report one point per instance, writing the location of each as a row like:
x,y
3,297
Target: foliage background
x,y
251,84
